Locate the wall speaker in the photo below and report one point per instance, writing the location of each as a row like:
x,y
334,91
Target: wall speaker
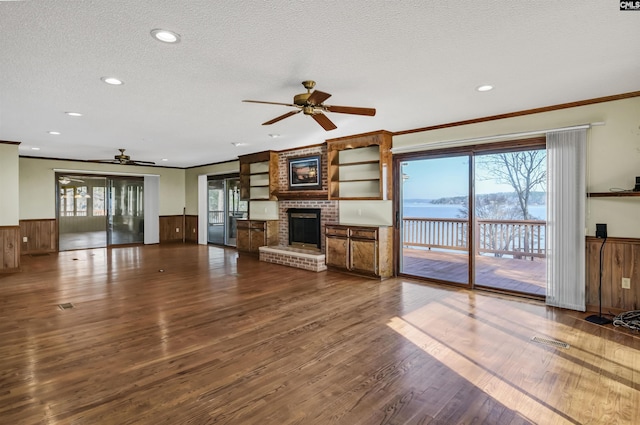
x,y
601,231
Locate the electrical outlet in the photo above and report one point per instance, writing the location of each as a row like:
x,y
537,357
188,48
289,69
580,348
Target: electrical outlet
x,y
25,239
626,283
177,230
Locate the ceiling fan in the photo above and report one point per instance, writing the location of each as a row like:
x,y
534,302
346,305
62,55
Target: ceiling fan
x,y
123,159
312,103
64,180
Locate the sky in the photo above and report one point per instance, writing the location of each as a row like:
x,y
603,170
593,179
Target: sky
x,y
444,177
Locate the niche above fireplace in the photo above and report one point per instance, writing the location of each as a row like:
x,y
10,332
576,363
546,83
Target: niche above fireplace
x,y
304,227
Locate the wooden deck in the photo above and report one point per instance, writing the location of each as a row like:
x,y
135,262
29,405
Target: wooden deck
x,y
525,276
190,334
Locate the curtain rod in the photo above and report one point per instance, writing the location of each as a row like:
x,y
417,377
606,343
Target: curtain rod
x,y
463,142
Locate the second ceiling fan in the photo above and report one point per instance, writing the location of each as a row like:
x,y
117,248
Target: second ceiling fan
x,y
312,103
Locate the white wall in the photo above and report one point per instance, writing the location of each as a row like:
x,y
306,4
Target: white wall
x,y
191,181
37,184
613,154
9,187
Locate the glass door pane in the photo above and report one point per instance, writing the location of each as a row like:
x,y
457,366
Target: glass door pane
x,y
510,212
216,212
82,219
434,225
125,207
236,209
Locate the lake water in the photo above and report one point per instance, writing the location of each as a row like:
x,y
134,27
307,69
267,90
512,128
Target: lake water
x,y
426,210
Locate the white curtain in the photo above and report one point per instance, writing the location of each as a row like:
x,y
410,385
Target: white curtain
x,y
566,194
151,209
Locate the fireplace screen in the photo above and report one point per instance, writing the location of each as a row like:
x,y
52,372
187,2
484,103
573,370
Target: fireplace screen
x,y
304,227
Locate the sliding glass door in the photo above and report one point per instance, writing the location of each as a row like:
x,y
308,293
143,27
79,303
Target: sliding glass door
x,y
434,219
98,211
125,223
510,213
476,218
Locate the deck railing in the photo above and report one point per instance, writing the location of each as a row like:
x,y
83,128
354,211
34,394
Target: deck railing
x,y
216,217
516,238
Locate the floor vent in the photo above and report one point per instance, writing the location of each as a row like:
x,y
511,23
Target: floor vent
x,y
557,344
65,306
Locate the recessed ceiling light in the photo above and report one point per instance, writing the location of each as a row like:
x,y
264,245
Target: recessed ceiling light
x,y
112,80
165,36
165,159
35,149
54,133
238,144
74,114
274,136
485,87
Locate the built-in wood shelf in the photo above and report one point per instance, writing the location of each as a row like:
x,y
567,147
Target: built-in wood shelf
x,y
292,195
620,194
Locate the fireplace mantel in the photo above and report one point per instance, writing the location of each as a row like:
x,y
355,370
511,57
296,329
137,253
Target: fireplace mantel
x,y
294,195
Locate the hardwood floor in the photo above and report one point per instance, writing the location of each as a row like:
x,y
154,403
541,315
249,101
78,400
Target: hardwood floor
x,y
187,334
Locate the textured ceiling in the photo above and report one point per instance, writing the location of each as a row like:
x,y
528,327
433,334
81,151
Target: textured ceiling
x,y
417,62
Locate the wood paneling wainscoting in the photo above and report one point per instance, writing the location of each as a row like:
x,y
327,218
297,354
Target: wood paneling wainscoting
x,y
621,258
171,228
9,249
41,234
191,228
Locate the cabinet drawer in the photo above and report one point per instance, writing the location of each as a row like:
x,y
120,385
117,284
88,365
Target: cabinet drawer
x,y
336,231
371,234
260,225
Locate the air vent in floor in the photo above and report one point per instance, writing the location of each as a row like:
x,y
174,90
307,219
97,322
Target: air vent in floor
x,y
551,342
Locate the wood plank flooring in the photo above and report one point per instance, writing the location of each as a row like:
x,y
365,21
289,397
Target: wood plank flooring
x,y
187,334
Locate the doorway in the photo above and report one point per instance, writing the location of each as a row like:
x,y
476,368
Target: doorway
x,y
475,217
224,208
99,211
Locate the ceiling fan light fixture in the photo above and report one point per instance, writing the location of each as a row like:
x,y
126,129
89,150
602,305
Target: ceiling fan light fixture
x,y
484,87
112,81
165,36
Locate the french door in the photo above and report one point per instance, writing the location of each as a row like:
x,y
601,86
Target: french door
x,y
224,209
475,217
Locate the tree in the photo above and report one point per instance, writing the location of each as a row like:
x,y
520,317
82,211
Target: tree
x,y
523,171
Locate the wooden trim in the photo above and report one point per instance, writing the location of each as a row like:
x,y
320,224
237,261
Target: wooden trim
x,y
94,162
209,164
310,195
625,194
523,112
8,142
356,136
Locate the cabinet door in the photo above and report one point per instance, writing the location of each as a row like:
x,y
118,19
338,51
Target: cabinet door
x,y
257,239
242,239
364,256
336,254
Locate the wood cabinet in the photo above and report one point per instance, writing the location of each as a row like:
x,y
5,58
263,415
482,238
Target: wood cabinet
x,y
359,167
364,250
252,234
259,176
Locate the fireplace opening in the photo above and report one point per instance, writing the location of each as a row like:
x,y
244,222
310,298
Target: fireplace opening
x,y
304,227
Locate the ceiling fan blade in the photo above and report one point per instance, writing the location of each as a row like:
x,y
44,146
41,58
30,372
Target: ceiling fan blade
x,y
317,97
270,103
351,110
324,121
281,117
133,161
